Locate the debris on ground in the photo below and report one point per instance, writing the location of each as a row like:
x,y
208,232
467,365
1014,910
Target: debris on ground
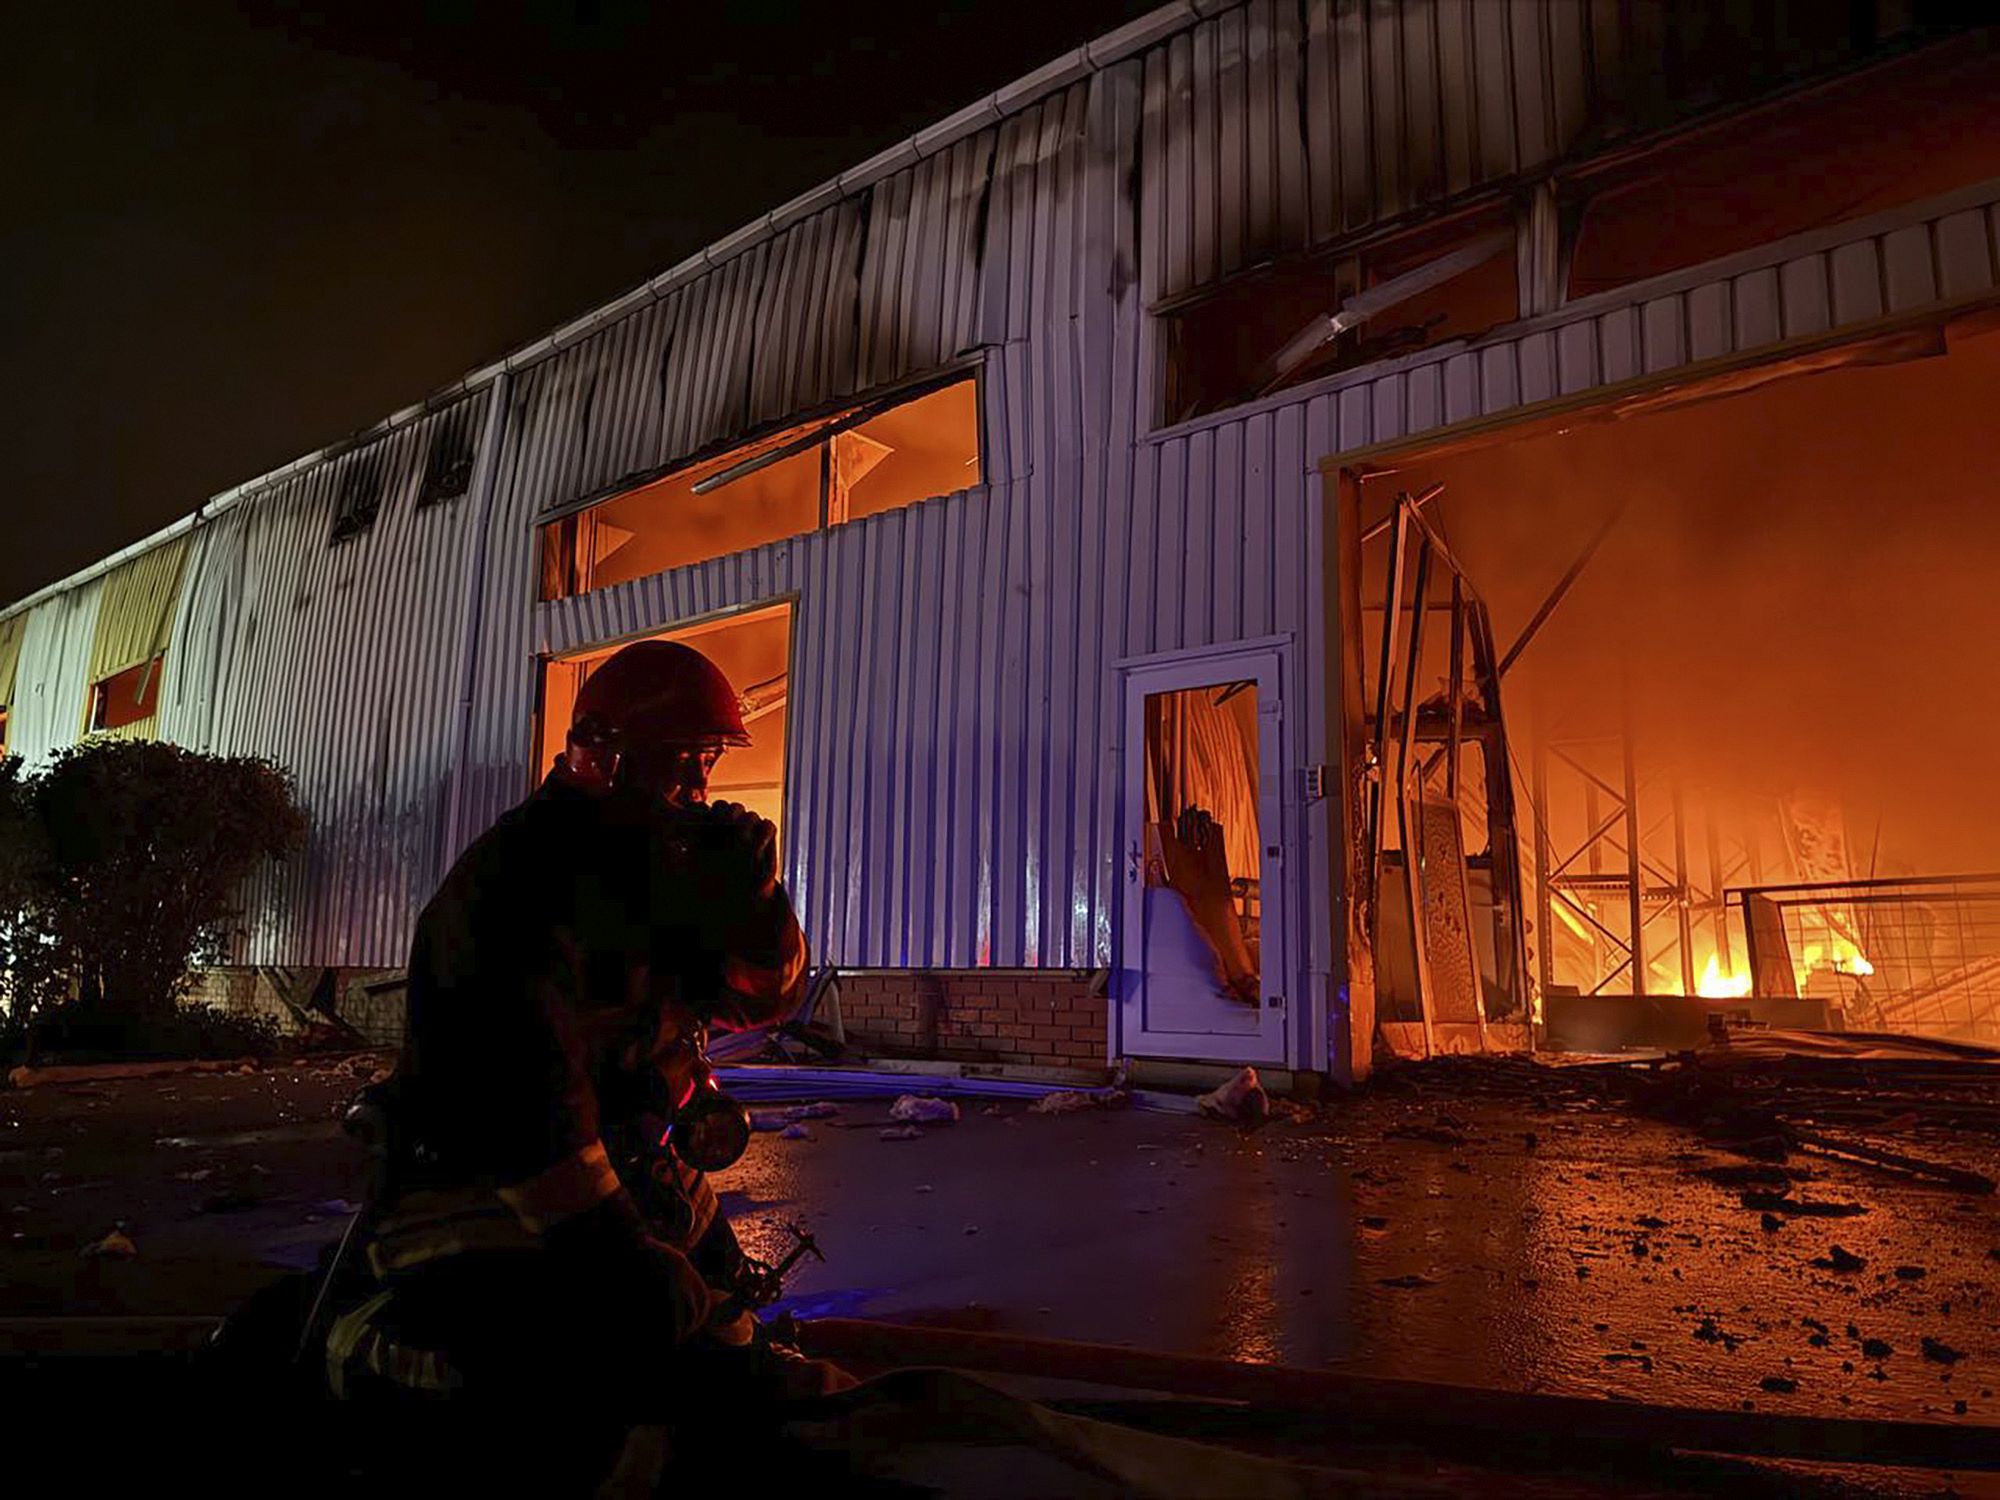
x,y
796,1131
920,1109
1407,1283
1938,1352
773,1121
1779,1385
1708,1331
1839,1258
228,1201
1064,1102
1437,1135
116,1245
902,1133
1241,1101
1805,1208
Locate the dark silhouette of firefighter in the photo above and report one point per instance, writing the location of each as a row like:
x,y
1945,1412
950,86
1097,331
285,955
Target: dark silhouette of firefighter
x,y
544,1222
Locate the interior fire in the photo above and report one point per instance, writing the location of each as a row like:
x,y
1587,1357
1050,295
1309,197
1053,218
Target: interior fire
x,y
754,651
1749,695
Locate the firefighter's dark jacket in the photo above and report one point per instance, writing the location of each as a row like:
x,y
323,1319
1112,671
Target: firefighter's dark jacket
x,y
553,949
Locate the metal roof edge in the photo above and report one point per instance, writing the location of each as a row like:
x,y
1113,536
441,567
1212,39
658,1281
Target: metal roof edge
x,y
102,566
1079,63
1628,298
1092,57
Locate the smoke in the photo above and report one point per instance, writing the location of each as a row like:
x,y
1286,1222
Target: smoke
x,y
1803,592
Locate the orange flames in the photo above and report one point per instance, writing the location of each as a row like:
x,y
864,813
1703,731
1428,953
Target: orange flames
x,y
1837,955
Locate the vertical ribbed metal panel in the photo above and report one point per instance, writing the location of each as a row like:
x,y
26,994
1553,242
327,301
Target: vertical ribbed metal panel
x,y
136,609
1274,126
920,261
1225,173
11,630
1409,102
335,661
955,773
803,345
52,677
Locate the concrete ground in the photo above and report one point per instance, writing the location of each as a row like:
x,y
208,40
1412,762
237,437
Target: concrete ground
x,y
1489,1242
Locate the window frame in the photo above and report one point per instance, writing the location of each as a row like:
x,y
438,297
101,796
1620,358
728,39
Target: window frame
x,y
1441,232
815,429
364,476
791,600
95,712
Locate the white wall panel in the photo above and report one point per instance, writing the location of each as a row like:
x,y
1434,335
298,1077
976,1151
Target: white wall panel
x,y
51,683
954,779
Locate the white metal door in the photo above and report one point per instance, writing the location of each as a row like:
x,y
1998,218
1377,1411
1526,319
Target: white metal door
x,y
1202,978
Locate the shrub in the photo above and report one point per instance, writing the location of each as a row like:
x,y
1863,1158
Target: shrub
x,y
20,858
139,850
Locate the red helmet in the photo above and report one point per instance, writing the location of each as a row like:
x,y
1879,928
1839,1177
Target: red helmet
x,y
658,693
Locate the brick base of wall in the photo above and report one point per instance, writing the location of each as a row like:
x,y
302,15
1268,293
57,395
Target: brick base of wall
x,y
370,1000
240,992
1038,1018
1046,1018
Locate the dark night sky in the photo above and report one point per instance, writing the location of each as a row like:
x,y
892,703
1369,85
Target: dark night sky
x,y
232,234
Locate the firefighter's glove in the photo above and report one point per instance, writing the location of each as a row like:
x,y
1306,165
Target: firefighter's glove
x,y
608,1249
730,1324
743,851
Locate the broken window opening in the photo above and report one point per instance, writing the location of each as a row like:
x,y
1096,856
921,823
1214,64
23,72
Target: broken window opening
x,y
1748,734
126,697
360,500
861,462
1895,135
1287,324
753,650
449,459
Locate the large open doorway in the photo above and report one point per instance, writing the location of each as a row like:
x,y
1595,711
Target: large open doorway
x,y
1745,651
753,649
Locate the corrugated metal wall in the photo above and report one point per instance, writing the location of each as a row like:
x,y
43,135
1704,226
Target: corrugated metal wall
x,y
955,770
1275,127
340,663
955,773
11,630
51,679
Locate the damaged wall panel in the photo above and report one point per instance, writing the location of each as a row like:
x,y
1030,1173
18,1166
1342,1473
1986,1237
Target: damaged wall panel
x,y
341,664
51,673
953,791
1274,128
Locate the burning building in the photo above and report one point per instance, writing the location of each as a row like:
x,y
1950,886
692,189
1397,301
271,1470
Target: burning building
x,y
1293,529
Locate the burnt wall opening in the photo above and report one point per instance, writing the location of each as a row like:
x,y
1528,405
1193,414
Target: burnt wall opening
x,y
1777,669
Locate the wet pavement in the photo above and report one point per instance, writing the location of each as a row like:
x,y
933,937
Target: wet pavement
x,y
1579,1251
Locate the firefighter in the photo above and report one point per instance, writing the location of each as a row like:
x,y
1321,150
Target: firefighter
x,y
558,983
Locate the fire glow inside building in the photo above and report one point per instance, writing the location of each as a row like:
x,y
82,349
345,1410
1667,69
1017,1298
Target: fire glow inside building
x,y
1293,529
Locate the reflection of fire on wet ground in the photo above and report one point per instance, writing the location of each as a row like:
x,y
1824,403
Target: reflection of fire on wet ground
x,y
1699,1242
1498,1223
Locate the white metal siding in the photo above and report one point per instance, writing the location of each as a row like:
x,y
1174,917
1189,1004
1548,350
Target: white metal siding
x,y
51,680
336,662
955,768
